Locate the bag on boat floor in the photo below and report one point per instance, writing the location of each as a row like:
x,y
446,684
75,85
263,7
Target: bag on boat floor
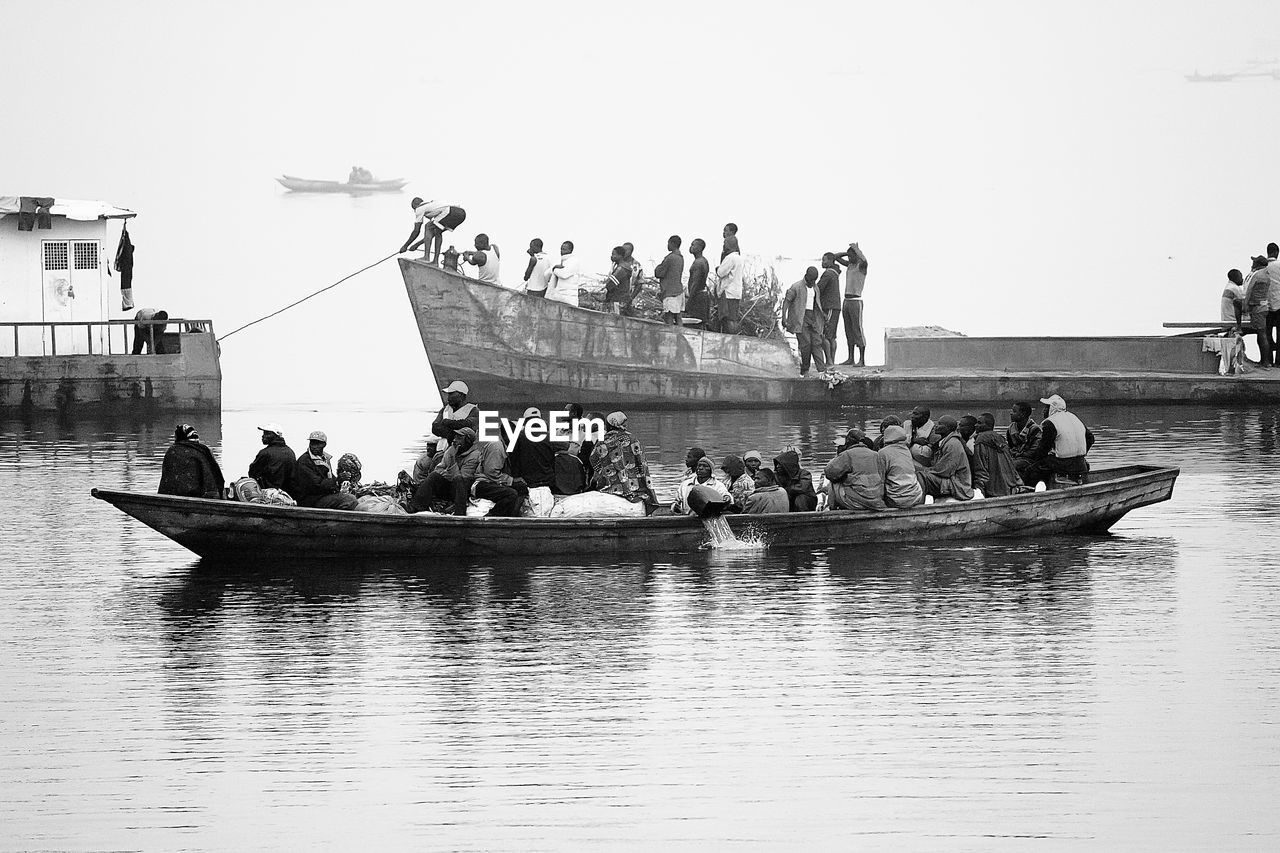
x,y
381,504
478,507
275,497
246,490
540,503
596,505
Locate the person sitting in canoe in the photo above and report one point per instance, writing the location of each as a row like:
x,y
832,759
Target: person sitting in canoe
x,y
189,469
360,175
315,479
701,474
1064,441
795,481
855,477
432,219
948,474
618,466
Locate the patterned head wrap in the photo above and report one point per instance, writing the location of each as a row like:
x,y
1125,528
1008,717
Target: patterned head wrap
x,y
349,468
185,432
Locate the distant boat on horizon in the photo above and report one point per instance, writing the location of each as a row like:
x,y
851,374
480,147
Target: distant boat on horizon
x,y
1197,77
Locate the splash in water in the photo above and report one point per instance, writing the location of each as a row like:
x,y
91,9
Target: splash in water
x,y
722,537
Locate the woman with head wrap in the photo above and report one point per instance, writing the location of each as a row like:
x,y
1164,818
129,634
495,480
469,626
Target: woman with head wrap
x,y
737,481
618,466
189,469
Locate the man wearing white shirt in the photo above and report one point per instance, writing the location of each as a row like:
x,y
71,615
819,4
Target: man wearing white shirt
x,y
729,291
563,280
1273,299
537,273
432,219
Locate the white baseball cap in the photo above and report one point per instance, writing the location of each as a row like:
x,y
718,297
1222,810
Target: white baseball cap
x,y
318,435
272,426
457,385
532,412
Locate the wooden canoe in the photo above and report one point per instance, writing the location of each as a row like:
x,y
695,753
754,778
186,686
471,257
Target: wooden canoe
x,y
306,185
222,529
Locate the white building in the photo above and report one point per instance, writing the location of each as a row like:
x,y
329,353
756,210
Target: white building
x,y
60,275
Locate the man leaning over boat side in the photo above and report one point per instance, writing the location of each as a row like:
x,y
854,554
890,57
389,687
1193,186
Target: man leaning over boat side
x,y
1064,443
562,281
189,469
457,413
949,474
432,219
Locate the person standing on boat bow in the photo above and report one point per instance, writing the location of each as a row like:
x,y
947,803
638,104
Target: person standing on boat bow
x,y
485,259
562,280
670,287
538,272
456,414
431,219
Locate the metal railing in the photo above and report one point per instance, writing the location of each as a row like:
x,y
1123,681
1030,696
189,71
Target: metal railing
x,y
105,340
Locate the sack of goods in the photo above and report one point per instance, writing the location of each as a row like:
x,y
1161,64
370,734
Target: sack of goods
x,y
276,497
381,504
478,507
596,505
540,503
245,490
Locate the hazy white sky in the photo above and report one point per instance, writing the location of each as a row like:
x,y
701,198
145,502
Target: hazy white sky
x,y
1010,168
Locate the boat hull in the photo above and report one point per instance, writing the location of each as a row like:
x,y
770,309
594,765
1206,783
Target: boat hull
x,y
520,349
305,185
226,529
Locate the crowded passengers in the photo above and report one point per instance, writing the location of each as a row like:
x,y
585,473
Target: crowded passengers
x,y
912,461
704,293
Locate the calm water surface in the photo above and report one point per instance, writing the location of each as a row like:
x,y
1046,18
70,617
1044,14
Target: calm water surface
x,y
1113,692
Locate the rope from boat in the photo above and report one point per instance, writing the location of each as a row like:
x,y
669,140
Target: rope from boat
x,y
308,296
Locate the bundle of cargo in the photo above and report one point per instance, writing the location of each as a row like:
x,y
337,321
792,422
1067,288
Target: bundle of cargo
x,y
760,306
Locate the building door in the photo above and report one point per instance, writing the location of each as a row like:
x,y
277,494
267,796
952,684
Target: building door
x,y
72,293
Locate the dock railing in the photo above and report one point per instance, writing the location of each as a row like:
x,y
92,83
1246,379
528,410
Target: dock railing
x,y
96,337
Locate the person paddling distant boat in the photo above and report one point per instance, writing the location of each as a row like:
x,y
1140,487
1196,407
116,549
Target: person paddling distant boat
x,y
431,219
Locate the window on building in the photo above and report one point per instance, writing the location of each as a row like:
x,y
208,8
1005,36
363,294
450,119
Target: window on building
x,y
86,256
55,255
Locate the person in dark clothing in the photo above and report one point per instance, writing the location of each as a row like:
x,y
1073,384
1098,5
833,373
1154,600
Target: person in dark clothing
x,y
457,413
315,481
532,461
670,287
699,302
452,478
1022,434
189,469
803,316
796,481
886,422
148,326
994,471
273,467
1064,441
829,292
587,445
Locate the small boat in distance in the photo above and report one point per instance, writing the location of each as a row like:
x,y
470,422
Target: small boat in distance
x,y
306,185
1197,77
217,529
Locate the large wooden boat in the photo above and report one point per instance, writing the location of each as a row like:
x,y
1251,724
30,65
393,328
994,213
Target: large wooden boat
x,y
222,529
307,185
520,349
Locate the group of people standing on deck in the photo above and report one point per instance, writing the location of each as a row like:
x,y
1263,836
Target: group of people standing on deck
x,y
1256,298
710,297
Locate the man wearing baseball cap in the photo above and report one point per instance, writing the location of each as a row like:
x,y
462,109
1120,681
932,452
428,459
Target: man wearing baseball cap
x,y
534,462
456,414
315,481
1064,441
274,465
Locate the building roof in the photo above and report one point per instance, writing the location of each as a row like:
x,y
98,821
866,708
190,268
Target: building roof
x,y
72,208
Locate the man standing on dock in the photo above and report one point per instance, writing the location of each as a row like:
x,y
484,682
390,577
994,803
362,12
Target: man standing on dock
x,y
855,279
803,317
432,219
1257,287
829,291
1273,300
